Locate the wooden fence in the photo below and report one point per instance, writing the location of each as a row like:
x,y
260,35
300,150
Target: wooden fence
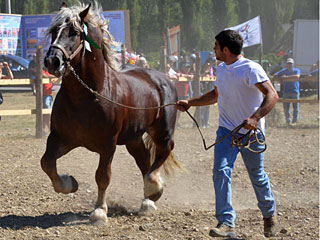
x,y
39,111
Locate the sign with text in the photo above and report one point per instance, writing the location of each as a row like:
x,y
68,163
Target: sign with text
x,y
20,35
10,35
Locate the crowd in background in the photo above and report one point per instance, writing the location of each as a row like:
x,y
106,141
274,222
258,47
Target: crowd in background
x,y
182,70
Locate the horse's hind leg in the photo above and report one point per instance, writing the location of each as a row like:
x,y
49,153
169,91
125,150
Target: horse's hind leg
x,y
103,178
162,136
141,155
153,184
55,149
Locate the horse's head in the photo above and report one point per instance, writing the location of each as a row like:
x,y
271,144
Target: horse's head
x,y
67,39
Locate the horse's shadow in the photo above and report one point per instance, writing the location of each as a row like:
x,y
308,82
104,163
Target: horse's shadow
x,y
46,220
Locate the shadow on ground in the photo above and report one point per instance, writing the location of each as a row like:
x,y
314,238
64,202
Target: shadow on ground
x,y
46,220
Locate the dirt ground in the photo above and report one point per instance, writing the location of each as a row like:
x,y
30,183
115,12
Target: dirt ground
x,y
30,209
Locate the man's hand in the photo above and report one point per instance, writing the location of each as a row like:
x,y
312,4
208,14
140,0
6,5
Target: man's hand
x,y
183,105
251,124
5,64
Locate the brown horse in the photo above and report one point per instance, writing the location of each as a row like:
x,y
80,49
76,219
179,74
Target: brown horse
x,y
85,112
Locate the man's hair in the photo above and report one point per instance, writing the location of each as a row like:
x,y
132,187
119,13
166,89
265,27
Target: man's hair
x,y
230,39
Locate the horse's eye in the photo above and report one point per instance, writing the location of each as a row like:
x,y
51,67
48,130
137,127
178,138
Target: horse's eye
x,y
73,32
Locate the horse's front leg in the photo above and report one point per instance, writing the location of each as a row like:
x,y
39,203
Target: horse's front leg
x,y
103,178
55,149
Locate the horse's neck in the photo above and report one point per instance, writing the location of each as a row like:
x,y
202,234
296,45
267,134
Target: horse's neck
x,y
95,75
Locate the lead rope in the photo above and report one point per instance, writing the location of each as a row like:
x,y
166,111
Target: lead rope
x,y
235,142
108,99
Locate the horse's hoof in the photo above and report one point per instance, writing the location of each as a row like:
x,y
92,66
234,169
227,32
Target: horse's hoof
x,y
153,187
74,184
156,196
69,184
98,217
147,206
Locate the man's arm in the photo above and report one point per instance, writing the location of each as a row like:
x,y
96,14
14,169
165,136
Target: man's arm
x,y
270,99
291,78
10,75
208,98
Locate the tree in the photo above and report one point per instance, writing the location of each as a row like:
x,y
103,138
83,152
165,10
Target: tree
x,y
135,16
191,23
273,14
307,9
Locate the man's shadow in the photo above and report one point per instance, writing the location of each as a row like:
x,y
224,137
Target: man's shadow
x,y
46,220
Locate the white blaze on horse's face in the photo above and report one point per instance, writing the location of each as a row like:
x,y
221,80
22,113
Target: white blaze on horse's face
x,y
67,40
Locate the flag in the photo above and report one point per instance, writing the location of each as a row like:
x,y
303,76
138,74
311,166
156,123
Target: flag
x,y
250,31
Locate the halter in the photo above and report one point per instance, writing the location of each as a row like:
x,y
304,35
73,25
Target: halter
x,y
68,57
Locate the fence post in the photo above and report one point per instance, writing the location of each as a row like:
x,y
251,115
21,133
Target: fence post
x,y
39,93
123,54
196,85
163,60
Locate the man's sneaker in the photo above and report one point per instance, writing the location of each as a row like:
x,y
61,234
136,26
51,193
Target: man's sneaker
x,y
270,226
222,230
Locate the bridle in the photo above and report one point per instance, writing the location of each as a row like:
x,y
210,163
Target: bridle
x,y
68,57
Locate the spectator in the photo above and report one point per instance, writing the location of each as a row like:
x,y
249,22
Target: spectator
x,y
173,61
289,77
9,74
47,100
208,69
142,62
192,61
182,86
32,73
315,67
313,76
4,76
183,60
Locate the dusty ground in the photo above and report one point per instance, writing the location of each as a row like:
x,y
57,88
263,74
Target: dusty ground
x,y
30,209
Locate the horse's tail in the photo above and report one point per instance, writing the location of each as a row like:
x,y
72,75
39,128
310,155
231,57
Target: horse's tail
x,y
170,164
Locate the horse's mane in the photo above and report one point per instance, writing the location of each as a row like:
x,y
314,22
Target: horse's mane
x,y
94,18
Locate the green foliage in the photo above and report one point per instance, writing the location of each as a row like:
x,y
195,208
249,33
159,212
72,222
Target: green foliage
x,y
153,59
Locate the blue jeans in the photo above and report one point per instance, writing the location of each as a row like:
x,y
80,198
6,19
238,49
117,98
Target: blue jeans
x,y
224,158
286,107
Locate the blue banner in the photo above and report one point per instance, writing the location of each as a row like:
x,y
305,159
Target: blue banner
x,y
33,34
116,24
20,35
10,35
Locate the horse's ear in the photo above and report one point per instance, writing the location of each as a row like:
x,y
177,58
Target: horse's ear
x,y
84,14
63,5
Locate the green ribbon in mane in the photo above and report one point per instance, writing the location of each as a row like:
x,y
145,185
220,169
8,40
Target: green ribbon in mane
x,y
89,40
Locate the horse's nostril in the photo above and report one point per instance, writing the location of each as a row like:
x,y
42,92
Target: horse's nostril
x,y
56,63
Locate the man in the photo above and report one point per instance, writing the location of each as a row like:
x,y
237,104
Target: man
x,y
9,73
47,99
239,89
289,77
4,76
32,73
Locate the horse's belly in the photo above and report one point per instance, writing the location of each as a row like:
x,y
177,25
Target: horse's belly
x,y
129,136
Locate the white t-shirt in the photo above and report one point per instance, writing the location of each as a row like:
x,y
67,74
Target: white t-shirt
x,y
238,96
